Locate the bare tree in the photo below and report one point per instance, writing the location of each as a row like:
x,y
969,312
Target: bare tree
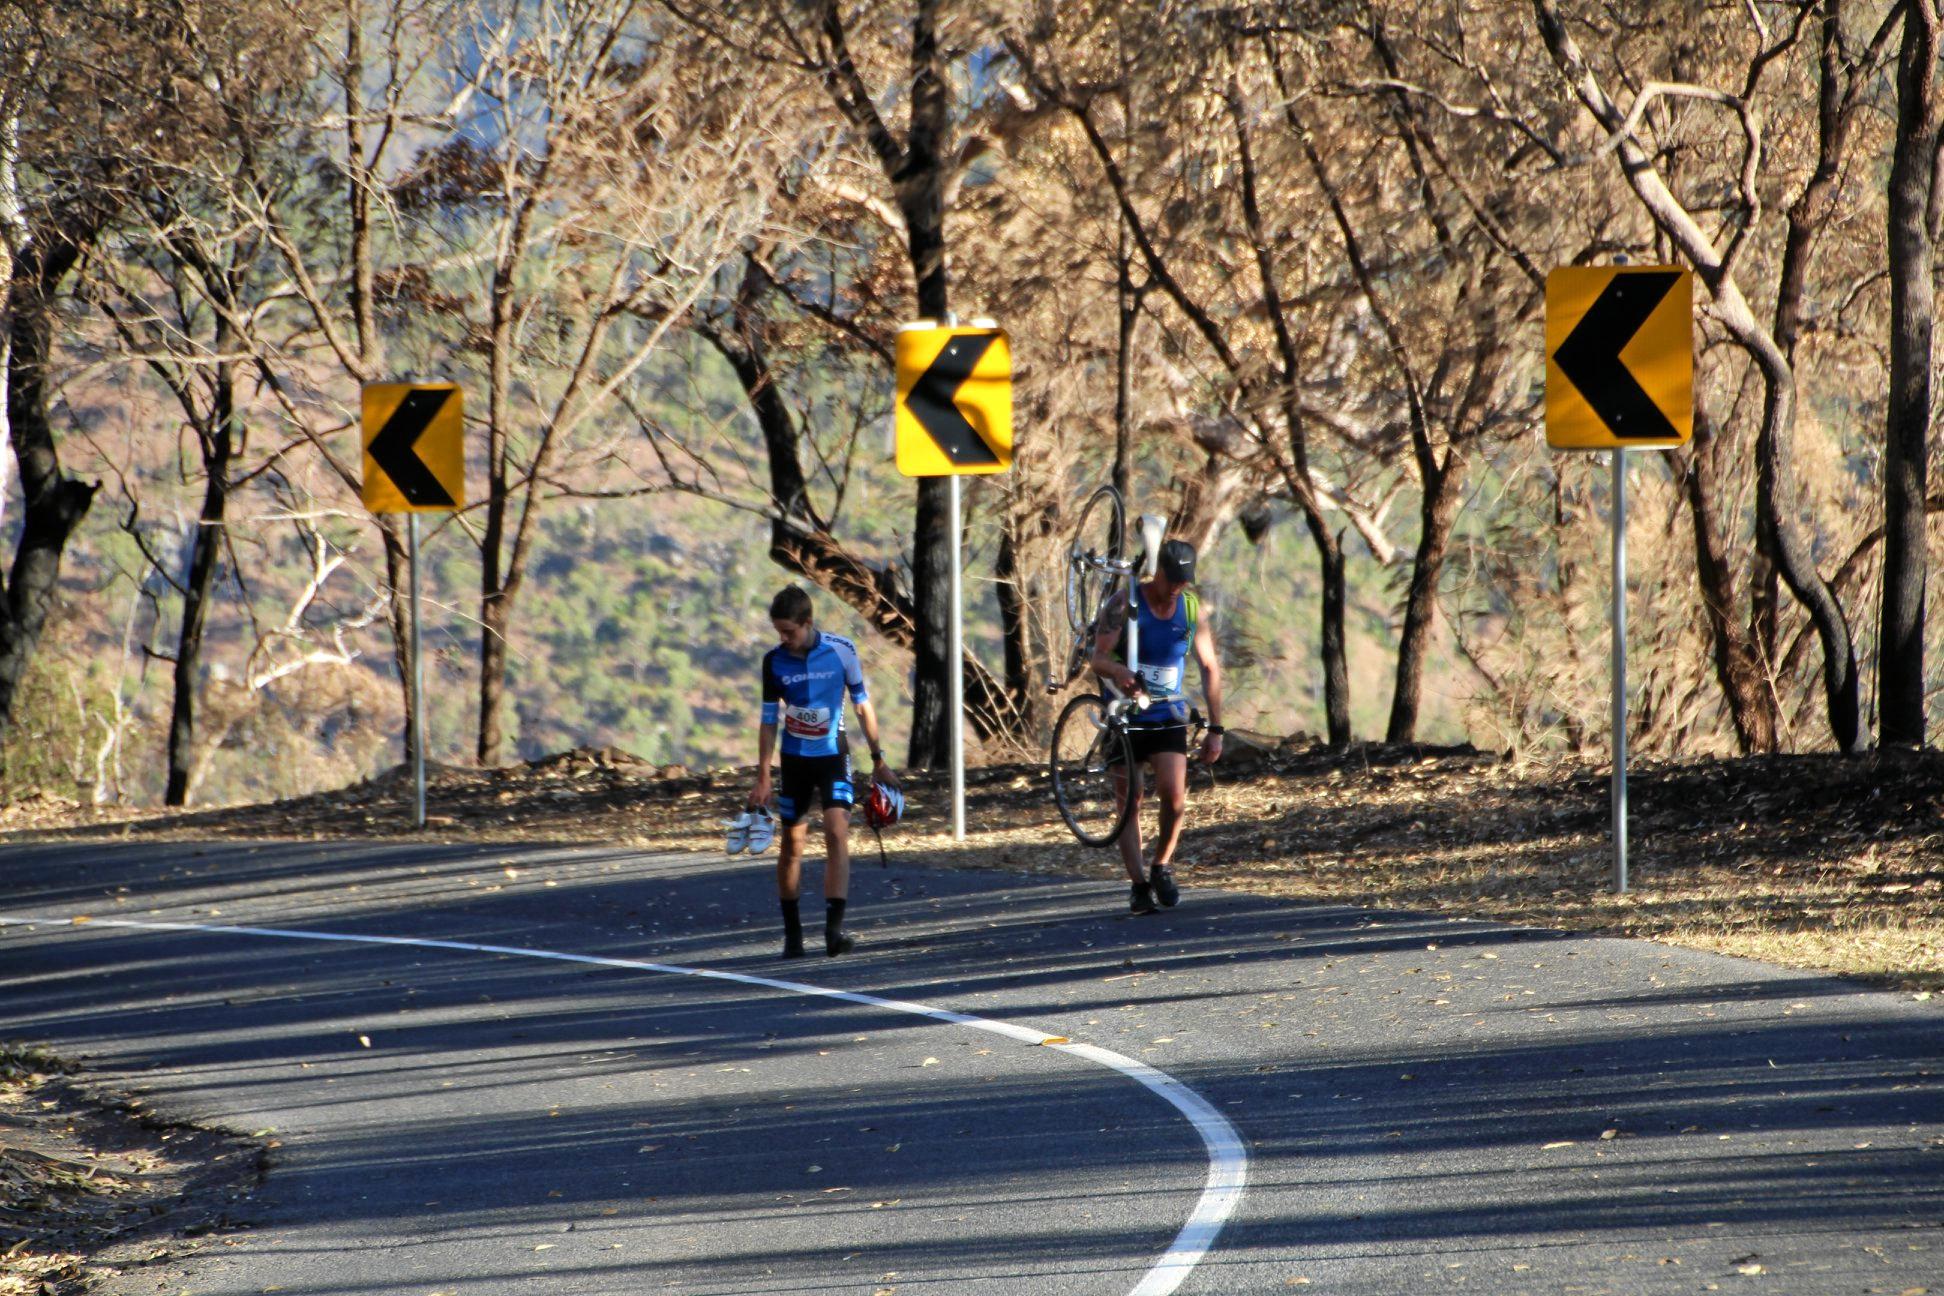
x,y
621,178
69,125
855,59
1915,198
1253,328
1715,259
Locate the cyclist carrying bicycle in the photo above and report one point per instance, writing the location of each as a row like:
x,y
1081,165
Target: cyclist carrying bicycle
x,y
1171,627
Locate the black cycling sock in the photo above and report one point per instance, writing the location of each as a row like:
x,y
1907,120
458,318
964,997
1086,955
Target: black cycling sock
x,y
792,921
836,940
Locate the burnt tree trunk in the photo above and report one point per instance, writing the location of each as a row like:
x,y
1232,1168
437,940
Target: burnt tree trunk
x,y
1900,640
1336,662
1737,657
205,556
54,502
1437,513
920,186
398,611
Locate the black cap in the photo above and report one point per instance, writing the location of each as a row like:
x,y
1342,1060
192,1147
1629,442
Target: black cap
x,y
1177,561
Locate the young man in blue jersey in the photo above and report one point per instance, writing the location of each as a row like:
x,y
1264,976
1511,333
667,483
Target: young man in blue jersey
x,y
806,678
1171,627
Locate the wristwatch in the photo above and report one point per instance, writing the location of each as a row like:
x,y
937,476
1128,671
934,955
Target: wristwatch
x,y
1216,729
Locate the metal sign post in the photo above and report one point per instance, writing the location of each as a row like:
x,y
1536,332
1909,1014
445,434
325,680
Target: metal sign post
x,y
958,669
418,686
1619,670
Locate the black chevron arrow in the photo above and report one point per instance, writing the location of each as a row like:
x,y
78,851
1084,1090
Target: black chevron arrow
x,y
931,403
1590,355
393,449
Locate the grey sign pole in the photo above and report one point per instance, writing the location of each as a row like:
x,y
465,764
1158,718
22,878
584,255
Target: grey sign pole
x,y
1620,671
418,686
958,670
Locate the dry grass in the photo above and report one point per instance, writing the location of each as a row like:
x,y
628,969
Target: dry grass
x,y
1822,862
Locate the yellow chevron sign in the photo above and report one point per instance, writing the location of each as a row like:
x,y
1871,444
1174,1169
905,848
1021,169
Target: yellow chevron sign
x,y
1619,357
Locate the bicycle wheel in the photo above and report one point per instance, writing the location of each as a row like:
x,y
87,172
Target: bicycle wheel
x,y
1102,533
1090,760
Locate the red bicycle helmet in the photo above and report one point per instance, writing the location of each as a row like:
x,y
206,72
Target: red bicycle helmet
x,y
883,806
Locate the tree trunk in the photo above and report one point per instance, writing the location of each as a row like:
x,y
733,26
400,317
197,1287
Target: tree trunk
x,y
1900,640
54,502
204,557
1437,513
495,596
1336,667
1128,313
495,616
1738,665
358,186
399,612
920,187
1012,621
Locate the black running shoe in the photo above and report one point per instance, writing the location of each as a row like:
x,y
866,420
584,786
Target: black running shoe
x,y
793,946
1161,878
839,943
1142,900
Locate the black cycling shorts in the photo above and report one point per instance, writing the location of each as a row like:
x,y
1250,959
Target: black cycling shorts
x,y
1147,740
827,778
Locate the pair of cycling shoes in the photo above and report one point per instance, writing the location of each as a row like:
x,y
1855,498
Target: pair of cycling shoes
x,y
753,830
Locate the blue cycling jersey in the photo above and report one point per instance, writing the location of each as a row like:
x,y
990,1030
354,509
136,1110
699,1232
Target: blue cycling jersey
x,y
805,695
1165,645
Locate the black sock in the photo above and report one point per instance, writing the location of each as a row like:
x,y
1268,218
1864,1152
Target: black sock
x,y
833,917
792,922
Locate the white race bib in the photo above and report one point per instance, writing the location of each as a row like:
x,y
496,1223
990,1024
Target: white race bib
x,y
1161,681
806,722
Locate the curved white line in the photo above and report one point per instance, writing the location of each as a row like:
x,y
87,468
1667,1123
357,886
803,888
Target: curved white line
x,y
1228,1159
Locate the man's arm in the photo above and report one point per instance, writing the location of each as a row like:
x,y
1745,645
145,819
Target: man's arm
x,y
1113,618
866,717
766,735
765,748
867,720
1211,673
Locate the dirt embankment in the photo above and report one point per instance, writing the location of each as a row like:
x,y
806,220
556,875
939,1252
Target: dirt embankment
x,y
90,1182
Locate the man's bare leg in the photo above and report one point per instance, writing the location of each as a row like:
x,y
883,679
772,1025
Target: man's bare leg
x,y
836,827
1129,840
1171,786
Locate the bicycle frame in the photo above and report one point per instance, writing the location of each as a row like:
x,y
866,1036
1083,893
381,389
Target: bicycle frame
x,y
1152,529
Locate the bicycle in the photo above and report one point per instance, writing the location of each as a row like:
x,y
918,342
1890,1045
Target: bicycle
x,y
1091,736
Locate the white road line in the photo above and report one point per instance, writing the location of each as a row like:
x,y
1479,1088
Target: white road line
x,y
1228,1159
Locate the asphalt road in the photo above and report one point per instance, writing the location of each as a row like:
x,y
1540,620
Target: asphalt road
x,y
1427,1105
